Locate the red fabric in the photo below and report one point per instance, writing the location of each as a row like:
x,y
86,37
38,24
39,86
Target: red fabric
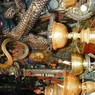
x,y
89,48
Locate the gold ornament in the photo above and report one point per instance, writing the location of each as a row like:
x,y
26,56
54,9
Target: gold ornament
x,y
60,35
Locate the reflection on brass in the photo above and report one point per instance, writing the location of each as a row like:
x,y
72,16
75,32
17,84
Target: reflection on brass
x,y
9,57
69,3
39,56
78,64
53,90
59,38
87,36
60,35
88,87
72,84
38,91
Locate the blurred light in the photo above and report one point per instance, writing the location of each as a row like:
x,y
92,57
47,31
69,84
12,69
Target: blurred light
x,y
83,8
62,86
92,93
57,35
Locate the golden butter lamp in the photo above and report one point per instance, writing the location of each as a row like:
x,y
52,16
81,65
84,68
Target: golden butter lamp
x,y
78,64
71,86
60,35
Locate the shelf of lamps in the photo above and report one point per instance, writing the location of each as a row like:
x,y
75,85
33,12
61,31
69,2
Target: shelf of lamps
x,y
60,35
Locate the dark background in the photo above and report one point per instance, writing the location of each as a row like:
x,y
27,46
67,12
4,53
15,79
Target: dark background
x,y
18,92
